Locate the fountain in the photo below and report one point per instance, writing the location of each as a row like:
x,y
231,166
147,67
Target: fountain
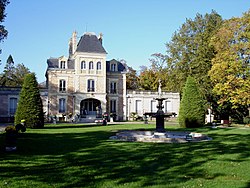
x,y
159,135
160,114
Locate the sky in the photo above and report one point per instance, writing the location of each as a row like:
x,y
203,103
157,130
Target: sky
x,y
132,30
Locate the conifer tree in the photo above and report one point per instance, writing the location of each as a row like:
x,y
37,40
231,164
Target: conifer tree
x,y
192,107
30,106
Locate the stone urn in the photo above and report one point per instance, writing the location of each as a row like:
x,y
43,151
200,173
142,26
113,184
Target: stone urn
x,y
10,138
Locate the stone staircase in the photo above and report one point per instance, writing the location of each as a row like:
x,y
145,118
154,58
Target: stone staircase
x,y
89,119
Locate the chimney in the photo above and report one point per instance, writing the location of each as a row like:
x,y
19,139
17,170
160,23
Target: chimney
x,y
100,37
72,43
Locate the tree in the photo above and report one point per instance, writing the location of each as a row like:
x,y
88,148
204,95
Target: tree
x,y
230,72
6,76
19,73
13,76
30,106
3,31
189,52
131,79
192,107
149,77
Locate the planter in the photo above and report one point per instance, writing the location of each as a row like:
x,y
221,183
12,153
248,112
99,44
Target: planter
x,y
10,141
10,138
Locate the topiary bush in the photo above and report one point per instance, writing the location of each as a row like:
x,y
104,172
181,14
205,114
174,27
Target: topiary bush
x,y
192,106
30,106
246,120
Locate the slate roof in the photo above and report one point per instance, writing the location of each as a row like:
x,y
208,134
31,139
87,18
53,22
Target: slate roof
x,y
54,62
120,67
90,43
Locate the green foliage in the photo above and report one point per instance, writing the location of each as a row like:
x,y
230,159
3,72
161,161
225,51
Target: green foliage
x,y
131,79
3,31
12,75
30,106
230,72
148,80
192,109
189,52
149,77
246,120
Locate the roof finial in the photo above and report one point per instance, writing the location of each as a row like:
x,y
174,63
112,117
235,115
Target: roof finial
x,y
100,37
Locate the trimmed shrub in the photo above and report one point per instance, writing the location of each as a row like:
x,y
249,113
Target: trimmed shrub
x,y
192,107
246,120
30,106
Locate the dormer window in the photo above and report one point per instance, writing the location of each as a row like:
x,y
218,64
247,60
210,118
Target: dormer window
x,y
113,67
98,65
62,64
83,65
91,65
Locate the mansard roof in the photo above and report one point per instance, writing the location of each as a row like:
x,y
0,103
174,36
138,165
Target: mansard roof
x,y
90,43
120,66
54,63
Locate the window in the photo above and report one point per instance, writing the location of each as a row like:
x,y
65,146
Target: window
x,y
99,65
62,85
153,106
91,65
12,105
62,65
113,87
112,106
83,65
113,67
91,85
62,107
138,106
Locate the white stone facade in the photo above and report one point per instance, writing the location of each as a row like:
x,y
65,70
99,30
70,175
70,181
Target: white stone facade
x,y
85,83
141,102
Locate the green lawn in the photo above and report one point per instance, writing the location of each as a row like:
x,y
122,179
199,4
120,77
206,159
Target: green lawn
x,y
68,155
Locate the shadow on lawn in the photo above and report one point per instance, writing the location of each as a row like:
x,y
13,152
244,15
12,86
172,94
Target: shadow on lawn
x,y
90,159
70,126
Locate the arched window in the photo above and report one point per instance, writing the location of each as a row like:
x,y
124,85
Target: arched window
x,y
83,65
91,85
98,65
91,65
62,105
62,85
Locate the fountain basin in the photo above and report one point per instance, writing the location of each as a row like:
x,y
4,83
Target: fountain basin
x,y
159,137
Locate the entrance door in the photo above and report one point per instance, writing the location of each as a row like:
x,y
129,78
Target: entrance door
x,y
90,107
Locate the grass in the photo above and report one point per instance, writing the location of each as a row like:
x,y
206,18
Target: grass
x,y
67,155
